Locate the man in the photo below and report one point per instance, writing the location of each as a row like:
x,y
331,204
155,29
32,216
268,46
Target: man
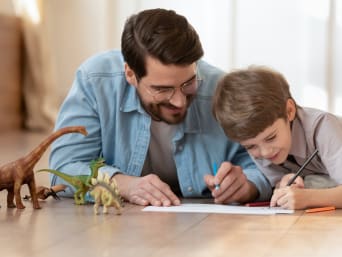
x,y
147,111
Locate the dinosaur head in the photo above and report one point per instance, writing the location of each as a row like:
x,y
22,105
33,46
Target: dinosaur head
x,y
97,163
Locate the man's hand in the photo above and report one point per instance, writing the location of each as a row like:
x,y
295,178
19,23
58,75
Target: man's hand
x,y
147,190
234,186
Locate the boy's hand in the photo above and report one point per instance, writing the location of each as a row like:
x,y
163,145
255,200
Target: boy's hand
x,y
292,198
233,185
299,182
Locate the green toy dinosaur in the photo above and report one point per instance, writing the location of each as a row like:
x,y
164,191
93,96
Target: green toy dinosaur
x,y
82,183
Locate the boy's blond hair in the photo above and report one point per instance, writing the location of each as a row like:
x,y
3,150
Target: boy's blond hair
x,y
247,101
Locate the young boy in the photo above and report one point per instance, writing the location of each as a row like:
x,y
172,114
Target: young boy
x,y
255,107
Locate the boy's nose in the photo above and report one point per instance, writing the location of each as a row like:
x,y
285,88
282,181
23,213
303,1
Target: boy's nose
x,y
266,152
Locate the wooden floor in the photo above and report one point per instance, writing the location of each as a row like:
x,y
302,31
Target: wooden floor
x,y
61,228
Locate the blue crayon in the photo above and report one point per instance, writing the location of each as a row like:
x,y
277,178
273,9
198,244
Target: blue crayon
x,y
217,187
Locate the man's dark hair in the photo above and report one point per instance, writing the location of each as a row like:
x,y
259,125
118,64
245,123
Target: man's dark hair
x,y
161,34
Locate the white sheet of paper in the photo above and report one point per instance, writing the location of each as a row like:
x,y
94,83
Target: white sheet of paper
x,y
218,208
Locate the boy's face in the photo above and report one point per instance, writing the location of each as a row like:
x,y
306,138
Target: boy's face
x,y
273,143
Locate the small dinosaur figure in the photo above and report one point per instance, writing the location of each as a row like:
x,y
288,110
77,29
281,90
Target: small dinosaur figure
x,y
14,174
105,192
82,183
45,192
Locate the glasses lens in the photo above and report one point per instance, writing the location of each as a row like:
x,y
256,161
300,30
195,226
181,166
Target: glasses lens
x,y
164,95
191,87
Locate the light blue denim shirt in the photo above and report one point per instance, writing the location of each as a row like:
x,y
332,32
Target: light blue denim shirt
x,y
119,129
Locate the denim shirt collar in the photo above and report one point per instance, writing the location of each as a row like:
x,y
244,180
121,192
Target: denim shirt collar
x,y
130,101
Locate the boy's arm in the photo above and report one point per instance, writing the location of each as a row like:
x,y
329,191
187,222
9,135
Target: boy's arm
x,y
297,198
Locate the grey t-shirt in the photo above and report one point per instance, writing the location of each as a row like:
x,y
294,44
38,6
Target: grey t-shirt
x,y
160,159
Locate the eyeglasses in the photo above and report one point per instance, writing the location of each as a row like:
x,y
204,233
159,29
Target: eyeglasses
x,y
165,93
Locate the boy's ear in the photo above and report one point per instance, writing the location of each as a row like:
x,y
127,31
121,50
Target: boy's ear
x,y
291,109
130,76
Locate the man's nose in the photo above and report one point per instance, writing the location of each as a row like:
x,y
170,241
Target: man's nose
x,y
178,99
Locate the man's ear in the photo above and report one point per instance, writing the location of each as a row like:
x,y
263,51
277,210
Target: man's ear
x,y
291,109
130,76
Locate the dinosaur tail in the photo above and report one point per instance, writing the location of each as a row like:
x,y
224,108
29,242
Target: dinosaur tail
x,y
32,158
66,177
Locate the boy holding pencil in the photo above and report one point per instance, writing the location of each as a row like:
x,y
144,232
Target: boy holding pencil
x,y
255,108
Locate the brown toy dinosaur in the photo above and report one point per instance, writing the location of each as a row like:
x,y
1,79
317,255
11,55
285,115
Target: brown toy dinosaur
x,y
19,172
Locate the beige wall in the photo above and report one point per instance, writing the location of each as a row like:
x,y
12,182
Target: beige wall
x,y
74,30
6,7
72,37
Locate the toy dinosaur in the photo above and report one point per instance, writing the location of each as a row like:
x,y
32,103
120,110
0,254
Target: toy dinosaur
x,y
19,172
81,183
44,192
105,192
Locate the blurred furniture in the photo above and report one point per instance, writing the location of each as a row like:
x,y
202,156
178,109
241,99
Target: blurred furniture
x,y
11,113
15,141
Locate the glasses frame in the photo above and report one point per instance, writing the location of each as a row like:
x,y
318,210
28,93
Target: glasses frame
x,y
172,89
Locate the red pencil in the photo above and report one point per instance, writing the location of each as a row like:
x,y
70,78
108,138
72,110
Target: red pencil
x,y
257,204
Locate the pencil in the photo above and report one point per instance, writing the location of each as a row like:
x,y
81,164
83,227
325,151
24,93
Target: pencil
x,y
308,160
217,187
257,204
327,208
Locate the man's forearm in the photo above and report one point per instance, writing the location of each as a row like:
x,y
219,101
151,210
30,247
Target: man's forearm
x,y
123,182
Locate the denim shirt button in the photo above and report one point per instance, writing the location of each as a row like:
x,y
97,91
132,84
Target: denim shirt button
x,y
180,148
190,189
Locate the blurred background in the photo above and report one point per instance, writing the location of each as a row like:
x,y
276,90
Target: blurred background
x,y
42,47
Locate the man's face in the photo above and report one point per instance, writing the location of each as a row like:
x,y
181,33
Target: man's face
x,y
273,144
161,93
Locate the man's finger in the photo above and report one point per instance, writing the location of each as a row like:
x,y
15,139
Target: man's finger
x,y
161,191
138,200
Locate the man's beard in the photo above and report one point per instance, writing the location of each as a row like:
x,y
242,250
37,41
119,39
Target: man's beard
x,y
154,109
